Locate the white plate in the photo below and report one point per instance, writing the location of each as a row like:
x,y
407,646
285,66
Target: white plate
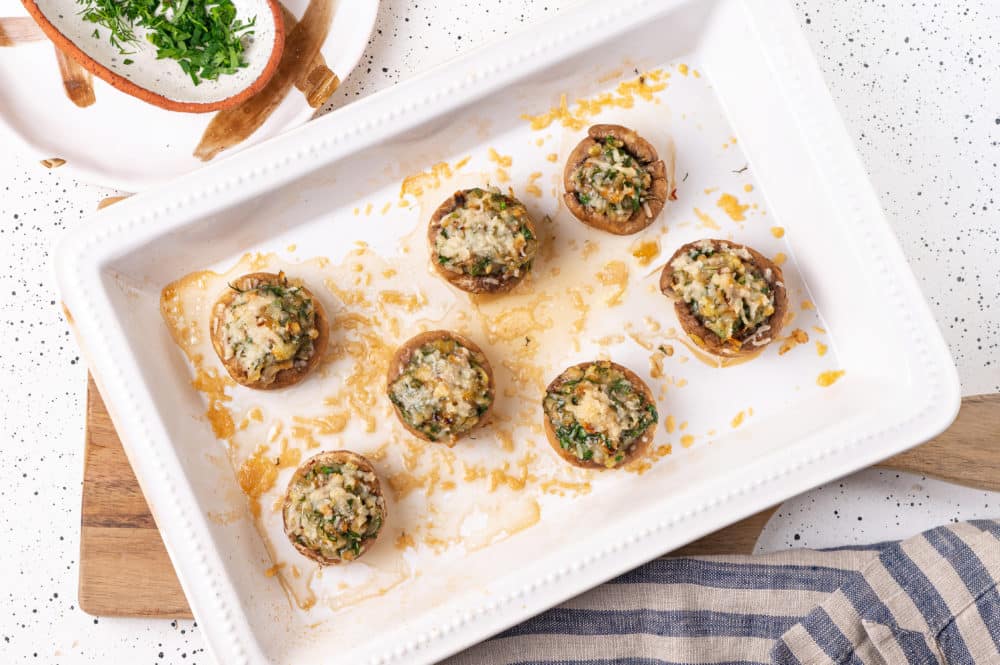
x,y
122,142
489,553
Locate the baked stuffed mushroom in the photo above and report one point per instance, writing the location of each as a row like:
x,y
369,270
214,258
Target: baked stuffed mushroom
x,y
482,240
441,386
730,299
616,182
268,331
334,509
599,415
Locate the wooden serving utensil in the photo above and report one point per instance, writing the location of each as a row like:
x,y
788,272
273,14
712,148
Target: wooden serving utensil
x,y
967,453
125,570
162,82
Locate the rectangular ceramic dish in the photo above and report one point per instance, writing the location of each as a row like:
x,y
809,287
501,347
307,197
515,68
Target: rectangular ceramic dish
x,y
484,535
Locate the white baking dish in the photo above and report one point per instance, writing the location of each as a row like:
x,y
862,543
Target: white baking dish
x,y
759,93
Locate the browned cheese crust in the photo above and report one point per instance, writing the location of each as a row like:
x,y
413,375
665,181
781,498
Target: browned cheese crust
x,y
708,340
285,377
322,459
639,447
663,187
466,282
401,360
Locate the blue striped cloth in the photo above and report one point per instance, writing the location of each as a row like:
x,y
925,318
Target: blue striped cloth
x,y
929,600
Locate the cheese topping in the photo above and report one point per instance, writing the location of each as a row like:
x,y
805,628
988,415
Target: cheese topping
x,y
443,390
723,288
612,182
597,413
267,327
334,510
487,234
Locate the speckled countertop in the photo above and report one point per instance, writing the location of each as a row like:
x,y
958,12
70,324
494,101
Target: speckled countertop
x,y
917,85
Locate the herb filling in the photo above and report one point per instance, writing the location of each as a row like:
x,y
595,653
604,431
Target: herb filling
x,y
334,510
443,390
724,289
597,413
486,235
266,328
611,182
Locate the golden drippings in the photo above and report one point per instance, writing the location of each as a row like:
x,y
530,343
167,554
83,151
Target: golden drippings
x,y
821,348
807,304
706,220
646,251
732,207
687,440
615,275
683,69
777,231
780,258
552,157
737,419
258,474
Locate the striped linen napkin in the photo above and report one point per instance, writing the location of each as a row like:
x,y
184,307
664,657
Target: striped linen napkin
x,y
931,600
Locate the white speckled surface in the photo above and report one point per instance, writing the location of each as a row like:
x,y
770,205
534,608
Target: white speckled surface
x,y
916,86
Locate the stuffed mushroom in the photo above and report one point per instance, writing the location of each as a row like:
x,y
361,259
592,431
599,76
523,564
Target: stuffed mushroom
x,y
615,181
268,331
482,241
334,508
599,415
441,386
729,298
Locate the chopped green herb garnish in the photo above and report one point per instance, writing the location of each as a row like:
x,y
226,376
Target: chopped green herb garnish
x,y
203,36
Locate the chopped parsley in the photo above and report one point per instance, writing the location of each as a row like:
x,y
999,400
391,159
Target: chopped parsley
x,y
204,38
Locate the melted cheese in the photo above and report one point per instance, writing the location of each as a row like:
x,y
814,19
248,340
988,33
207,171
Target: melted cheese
x,y
612,182
333,510
724,289
443,390
486,236
265,331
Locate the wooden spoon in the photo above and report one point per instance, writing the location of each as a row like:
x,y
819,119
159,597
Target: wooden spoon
x,y
162,82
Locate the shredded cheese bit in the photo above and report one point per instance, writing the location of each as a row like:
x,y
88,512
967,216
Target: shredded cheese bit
x,y
706,220
597,413
443,390
798,336
827,379
724,289
644,87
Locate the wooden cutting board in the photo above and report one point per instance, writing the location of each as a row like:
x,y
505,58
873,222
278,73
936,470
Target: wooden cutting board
x,y
125,571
